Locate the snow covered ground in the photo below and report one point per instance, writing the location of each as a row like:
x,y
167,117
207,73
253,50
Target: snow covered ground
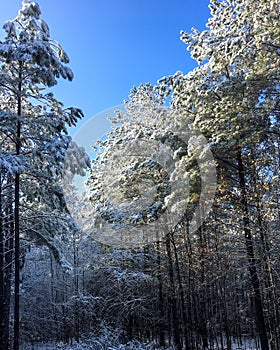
x,y
96,345
91,347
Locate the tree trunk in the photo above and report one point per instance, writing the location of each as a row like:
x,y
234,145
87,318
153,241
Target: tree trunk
x,y
7,248
17,218
160,298
175,316
76,288
182,298
203,290
2,255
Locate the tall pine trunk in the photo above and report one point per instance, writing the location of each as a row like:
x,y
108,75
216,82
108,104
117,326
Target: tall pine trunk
x,y
7,251
182,297
203,292
76,288
160,298
2,255
174,311
17,218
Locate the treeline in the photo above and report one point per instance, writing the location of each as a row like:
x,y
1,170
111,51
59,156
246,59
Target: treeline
x,y
193,291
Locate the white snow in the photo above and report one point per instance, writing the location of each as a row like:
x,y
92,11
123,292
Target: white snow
x,y
98,344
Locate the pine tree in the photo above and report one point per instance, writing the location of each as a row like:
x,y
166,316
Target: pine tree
x,y
33,133
232,97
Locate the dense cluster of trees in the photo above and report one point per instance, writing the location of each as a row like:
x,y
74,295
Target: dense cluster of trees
x,y
203,288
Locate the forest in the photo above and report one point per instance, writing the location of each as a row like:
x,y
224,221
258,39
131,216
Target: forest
x,y
174,243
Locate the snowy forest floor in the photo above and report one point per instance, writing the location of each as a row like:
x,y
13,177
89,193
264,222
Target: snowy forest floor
x,y
95,344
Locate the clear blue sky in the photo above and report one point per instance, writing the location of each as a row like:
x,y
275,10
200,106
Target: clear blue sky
x,y
116,44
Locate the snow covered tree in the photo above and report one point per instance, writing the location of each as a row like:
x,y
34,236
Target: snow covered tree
x,y
150,174
147,173
233,98
33,138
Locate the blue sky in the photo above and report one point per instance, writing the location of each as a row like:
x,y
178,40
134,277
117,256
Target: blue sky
x,y
116,44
